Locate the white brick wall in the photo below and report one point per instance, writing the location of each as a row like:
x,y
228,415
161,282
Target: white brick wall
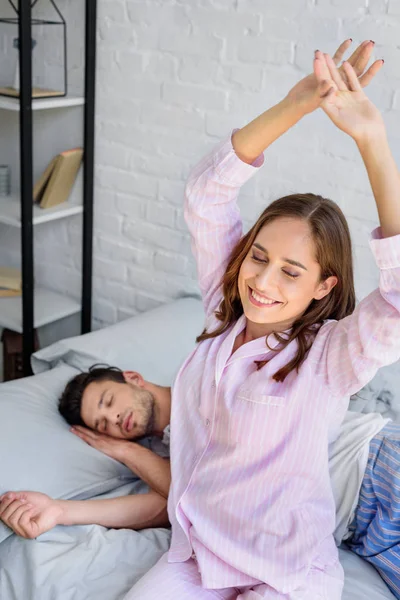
x,y
174,77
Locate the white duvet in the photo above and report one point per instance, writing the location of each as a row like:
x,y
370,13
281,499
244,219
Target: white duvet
x,y
79,563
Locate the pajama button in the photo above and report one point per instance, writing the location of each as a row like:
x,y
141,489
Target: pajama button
x,y
207,422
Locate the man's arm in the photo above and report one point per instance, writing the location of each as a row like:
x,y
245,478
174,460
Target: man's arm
x,y
151,468
127,512
29,514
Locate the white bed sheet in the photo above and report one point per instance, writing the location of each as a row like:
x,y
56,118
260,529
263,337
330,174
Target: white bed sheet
x,y
362,580
94,563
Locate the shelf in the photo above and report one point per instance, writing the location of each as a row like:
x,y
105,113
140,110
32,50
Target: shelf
x,y
10,207
10,211
7,103
49,307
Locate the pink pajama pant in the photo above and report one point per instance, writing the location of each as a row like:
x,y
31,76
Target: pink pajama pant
x,y
182,581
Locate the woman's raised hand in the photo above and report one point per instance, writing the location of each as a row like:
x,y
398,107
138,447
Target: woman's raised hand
x,y
307,93
343,98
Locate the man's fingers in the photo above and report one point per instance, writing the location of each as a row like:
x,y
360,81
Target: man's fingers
x,y
84,434
11,509
20,521
8,496
5,503
27,525
17,514
370,74
88,439
81,429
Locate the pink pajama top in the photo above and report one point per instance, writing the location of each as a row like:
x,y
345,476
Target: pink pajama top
x,y
251,494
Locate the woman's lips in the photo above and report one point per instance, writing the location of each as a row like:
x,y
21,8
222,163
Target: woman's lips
x,y
261,304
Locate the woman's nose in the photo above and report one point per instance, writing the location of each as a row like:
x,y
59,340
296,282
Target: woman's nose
x,y
265,279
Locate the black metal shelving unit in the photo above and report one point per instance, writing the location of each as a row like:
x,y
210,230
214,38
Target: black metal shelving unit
x,y
26,173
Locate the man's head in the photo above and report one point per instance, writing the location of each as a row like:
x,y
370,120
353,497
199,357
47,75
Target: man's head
x,y
110,401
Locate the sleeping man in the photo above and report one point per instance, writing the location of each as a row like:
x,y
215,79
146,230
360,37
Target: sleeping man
x,y
108,409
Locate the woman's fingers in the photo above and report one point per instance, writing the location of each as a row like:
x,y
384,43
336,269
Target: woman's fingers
x,y
321,70
353,82
370,74
360,57
363,58
338,56
335,74
326,88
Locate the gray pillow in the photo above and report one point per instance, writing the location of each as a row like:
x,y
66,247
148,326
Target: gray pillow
x,y
38,452
155,343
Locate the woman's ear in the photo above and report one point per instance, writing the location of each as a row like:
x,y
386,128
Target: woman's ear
x,y
325,287
133,377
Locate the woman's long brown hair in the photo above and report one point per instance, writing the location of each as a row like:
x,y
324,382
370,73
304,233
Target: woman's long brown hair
x,y
333,252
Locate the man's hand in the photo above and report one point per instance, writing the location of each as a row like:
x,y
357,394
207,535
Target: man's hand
x,y
307,94
115,448
29,514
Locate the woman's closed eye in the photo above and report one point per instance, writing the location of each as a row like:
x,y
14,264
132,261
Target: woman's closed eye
x,y
264,260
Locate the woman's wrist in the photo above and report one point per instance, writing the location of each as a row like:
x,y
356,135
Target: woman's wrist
x,y
294,110
372,139
251,140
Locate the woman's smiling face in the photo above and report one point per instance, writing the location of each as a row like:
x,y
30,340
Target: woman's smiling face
x,y
280,276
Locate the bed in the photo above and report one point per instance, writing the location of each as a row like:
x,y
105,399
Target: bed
x,y
39,452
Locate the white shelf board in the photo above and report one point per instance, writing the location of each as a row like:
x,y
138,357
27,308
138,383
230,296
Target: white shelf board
x,y
49,307
8,103
10,211
10,207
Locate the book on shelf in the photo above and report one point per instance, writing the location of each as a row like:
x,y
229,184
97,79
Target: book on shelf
x,y
7,293
36,92
10,279
54,185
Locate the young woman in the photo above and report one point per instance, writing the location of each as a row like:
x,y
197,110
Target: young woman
x,y
256,403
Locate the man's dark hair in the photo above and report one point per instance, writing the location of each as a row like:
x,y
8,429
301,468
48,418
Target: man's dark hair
x,y
70,402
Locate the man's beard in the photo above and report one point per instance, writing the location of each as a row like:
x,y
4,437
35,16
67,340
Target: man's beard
x,y
151,415
146,409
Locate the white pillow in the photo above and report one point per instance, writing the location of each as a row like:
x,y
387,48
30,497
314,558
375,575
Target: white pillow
x,y
154,343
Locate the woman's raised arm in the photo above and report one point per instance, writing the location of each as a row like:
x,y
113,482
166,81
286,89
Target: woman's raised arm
x,y
306,96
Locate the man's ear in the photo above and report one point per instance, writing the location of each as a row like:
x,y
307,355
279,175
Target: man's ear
x,y
133,377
